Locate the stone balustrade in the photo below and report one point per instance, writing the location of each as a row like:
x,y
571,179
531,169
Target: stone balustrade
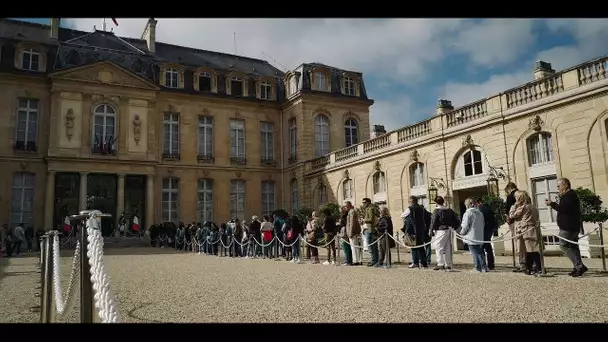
x,y
510,102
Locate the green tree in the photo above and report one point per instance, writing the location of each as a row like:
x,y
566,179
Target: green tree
x,y
498,206
361,211
281,213
303,213
592,208
333,208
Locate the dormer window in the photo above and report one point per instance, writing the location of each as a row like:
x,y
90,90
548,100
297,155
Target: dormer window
x,y
236,86
171,78
265,90
349,86
320,81
204,82
30,60
293,86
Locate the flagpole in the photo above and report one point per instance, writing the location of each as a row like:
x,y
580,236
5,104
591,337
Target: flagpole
x,y
104,24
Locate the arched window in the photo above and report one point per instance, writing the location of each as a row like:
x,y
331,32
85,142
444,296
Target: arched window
x,y
322,194
321,135
472,163
294,195
204,200
265,90
104,129
417,173
171,78
30,60
347,190
204,82
540,149
351,132
349,86
379,182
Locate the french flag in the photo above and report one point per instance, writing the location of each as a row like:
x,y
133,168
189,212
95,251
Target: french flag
x,y
135,225
66,225
114,21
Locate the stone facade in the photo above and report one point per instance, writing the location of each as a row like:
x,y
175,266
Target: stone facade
x,y
122,121
552,127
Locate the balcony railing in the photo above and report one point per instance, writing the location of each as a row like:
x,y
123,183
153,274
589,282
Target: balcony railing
x,y
512,101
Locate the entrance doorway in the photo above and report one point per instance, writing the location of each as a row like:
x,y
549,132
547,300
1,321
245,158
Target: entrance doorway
x,y
459,207
135,199
101,195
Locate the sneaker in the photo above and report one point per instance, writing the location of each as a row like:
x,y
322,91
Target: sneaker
x,y
333,262
438,268
580,271
448,269
412,266
326,263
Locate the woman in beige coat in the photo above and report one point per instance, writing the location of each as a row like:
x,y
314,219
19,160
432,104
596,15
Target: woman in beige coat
x,y
525,218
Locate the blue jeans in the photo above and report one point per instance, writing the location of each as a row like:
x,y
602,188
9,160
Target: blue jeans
x,y
479,257
295,250
373,249
347,253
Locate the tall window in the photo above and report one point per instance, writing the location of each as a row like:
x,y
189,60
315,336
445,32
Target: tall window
x,y
22,209
30,60
237,138
472,163
544,188
350,132
267,141
265,90
322,194
268,198
204,200
27,125
320,81
205,136
347,190
236,86
417,172
294,195
237,199
379,182
293,86
540,149
293,139
170,200
171,135
204,82
349,86
321,135
104,129
171,78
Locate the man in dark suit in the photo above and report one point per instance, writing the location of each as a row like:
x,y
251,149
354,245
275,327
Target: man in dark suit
x,y
569,221
490,228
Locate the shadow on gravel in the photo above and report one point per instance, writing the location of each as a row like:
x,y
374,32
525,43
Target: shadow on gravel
x,y
132,314
142,251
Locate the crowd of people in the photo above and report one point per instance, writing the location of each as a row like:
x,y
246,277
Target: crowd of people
x,y
282,236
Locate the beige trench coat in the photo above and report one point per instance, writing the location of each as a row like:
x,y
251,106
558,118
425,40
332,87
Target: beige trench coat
x,y
525,218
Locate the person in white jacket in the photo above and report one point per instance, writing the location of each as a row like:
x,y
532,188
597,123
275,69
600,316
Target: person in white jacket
x,y
472,229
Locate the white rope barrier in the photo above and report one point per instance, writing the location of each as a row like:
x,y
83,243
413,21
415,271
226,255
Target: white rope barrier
x,y
64,303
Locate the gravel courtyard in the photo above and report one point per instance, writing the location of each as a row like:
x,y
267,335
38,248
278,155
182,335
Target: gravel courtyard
x,y
163,285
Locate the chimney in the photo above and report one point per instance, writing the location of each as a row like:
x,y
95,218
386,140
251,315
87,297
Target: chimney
x,y
149,35
542,70
378,131
444,106
55,28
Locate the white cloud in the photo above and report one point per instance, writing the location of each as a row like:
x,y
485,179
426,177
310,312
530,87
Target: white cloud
x,y
398,52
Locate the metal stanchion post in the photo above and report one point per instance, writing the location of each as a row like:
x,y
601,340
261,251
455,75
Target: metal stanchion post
x,y
602,249
387,256
48,282
451,242
338,248
398,256
43,279
512,229
276,247
539,237
86,287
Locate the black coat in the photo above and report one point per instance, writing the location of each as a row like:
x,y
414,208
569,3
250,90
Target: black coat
x,y
569,217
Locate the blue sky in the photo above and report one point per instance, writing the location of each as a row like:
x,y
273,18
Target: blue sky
x,y
407,64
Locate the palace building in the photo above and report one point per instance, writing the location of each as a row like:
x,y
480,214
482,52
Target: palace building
x,y
164,132
172,133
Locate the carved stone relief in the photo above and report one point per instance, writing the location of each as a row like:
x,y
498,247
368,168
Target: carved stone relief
x,y
105,76
536,123
377,165
137,129
468,141
237,175
346,175
69,124
24,166
414,156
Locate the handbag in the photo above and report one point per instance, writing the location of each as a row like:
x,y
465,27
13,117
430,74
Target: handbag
x,y
267,236
409,240
310,236
290,234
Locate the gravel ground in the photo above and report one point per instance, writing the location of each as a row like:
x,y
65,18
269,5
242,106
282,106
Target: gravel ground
x,y
162,285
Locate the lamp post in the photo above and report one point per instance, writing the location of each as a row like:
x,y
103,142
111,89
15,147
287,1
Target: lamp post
x,y
433,190
492,185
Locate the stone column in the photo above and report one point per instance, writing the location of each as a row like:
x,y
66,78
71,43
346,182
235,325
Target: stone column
x,y
149,200
49,203
120,203
82,195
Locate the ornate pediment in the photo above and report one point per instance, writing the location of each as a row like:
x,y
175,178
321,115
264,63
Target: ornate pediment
x,y
104,72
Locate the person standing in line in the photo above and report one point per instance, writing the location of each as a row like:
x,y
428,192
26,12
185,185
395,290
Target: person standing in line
x,y
353,230
278,222
570,223
370,225
385,225
520,246
255,236
296,228
472,228
525,218
18,239
443,221
329,230
267,231
490,229
29,236
311,237
416,222
344,236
